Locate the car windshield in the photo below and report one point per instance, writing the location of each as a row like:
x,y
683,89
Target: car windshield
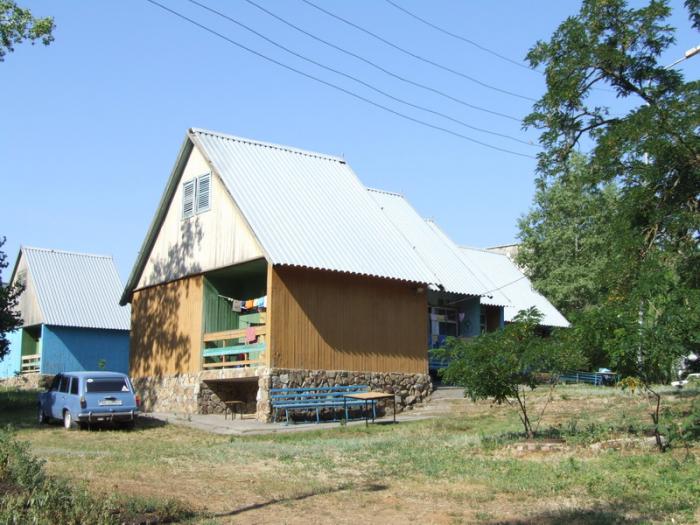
x,y
106,384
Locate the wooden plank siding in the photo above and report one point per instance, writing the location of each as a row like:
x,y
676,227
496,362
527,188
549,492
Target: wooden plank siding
x,y
166,328
332,321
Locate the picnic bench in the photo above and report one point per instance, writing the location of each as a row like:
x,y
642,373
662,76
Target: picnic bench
x,y
316,399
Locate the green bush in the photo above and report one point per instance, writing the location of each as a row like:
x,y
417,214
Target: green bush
x,y
28,495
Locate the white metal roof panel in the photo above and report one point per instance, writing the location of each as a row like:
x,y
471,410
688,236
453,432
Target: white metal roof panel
x,y
436,250
308,209
77,289
515,285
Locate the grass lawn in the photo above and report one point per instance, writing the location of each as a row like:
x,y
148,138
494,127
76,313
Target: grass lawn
x,y
470,466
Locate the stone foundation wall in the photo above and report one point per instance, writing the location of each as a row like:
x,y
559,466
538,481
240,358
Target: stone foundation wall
x,y
28,382
198,393
205,392
408,389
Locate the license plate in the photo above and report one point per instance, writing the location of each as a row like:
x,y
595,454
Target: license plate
x,y
110,402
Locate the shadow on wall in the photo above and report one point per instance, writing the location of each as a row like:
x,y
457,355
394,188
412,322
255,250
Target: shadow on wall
x,y
160,342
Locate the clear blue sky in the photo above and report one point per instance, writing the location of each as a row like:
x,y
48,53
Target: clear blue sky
x,y
91,125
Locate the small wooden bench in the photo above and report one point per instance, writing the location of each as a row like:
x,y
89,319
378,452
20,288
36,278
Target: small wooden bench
x,y
317,398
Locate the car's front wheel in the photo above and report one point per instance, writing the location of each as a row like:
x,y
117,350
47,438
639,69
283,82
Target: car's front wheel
x,y
68,422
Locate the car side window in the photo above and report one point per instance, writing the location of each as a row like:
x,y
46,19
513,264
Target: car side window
x,y
55,383
63,387
74,386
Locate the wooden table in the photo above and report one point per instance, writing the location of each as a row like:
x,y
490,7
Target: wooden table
x,y
230,405
373,397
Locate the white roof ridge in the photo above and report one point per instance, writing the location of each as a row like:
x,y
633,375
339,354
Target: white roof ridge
x,y
478,249
65,252
386,192
281,147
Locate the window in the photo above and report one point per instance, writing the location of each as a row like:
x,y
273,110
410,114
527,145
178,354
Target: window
x,y
111,384
74,386
196,195
63,387
54,384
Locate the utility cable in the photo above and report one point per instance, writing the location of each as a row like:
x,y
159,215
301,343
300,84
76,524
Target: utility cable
x,y
459,37
381,68
359,81
335,86
417,57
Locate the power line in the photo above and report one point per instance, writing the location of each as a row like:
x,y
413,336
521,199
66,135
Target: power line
x,y
418,57
334,86
381,68
459,37
359,81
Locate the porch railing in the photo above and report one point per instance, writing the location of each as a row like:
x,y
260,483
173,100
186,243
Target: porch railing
x,y
231,350
30,363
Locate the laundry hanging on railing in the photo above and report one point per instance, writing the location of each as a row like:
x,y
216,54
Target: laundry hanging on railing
x,y
239,305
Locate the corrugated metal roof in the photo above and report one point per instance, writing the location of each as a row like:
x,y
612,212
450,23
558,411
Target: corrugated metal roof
x,y
77,289
491,293
308,209
436,250
513,283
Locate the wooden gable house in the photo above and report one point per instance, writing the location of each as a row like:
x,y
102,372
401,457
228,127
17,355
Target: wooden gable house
x,y
267,266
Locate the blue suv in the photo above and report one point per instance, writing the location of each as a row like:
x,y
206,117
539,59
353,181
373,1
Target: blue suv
x,y
82,398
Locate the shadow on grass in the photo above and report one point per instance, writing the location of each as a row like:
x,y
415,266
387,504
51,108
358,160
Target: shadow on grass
x,y
371,487
575,517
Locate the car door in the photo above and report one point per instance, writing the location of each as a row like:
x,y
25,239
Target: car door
x,y
48,398
59,397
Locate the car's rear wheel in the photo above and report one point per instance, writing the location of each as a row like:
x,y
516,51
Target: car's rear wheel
x,y
68,422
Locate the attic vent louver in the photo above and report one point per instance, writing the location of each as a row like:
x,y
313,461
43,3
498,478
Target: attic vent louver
x,y
203,192
188,191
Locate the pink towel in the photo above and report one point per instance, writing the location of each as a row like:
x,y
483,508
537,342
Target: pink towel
x,y
250,336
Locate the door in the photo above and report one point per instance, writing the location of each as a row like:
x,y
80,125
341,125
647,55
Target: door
x,y
58,401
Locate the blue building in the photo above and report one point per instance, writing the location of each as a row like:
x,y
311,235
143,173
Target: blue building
x,y
71,315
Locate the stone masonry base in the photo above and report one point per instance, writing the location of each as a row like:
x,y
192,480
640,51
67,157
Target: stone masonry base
x,y
205,392
28,382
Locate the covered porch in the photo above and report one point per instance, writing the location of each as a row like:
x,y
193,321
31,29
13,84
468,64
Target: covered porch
x,y
235,327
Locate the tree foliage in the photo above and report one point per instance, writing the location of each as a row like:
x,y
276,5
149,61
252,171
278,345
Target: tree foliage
x,y
10,318
18,24
564,235
641,308
505,364
638,303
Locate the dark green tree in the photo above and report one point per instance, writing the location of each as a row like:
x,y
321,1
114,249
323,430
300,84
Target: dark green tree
x,y
647,315
18,24
564,237
10,318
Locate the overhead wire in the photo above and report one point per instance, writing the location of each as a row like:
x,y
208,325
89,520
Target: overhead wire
x,y
459,37
335,86
360,81
416,56
381,68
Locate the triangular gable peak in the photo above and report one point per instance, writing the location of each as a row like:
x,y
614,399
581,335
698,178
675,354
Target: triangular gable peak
x,y
200,227
28,303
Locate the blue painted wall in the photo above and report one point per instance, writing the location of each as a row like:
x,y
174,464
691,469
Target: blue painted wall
x,y
74,349
12,362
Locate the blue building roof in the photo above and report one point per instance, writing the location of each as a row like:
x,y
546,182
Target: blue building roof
x,y
74,289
